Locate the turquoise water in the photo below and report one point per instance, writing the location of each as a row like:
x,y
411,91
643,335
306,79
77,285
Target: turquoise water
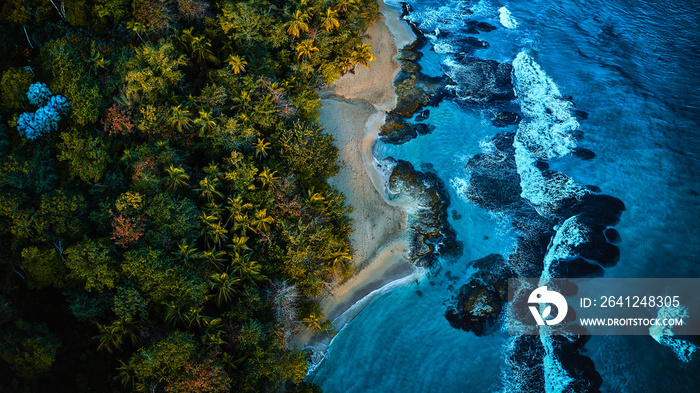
x,y
633,67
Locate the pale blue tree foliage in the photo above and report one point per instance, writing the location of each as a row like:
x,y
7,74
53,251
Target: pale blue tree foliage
x,y
38,94
46,118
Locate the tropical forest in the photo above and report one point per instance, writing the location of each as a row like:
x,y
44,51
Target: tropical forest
x,y
166,224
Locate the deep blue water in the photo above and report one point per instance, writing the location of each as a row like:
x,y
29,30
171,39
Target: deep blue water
x,y
634,67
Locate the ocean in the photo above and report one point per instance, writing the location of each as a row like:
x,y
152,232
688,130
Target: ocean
x,y
630,70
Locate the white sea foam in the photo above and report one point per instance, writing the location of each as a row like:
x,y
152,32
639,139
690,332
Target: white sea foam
x,y
506,18
443,47
545,194
545,133
664,334
460,185
547,129
556,379
570,234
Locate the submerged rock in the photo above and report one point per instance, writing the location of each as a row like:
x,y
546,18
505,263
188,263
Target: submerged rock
x,y
483,81
505,119
584,154
468,45
494,183
478,305
397,131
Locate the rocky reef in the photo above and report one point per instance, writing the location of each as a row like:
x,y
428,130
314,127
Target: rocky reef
x,y
478,304
431,234
414,91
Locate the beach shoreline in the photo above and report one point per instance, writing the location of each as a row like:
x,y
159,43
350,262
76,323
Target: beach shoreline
x,y
353,110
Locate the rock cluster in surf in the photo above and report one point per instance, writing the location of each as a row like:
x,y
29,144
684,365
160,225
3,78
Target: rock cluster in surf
x,y
564,229
431,234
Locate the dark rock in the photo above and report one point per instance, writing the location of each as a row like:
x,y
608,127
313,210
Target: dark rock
x,y
470,44
602,252
456,216
406,9
505,119
579,267
581,115
602,209
486,237
423,129
612,235
431,233
494,183
584,154
397,131
410,66
423,115
594,189
579,367
414,91
485,27
483,81
408,54
542,165
479,303
477,26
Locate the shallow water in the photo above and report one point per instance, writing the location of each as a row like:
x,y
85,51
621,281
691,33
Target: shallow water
x,y
634,67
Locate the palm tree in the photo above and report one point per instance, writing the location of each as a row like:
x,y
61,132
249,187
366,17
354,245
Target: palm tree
x,y
330,20
176,178
305,49
266,177
261,148
205,123
207,189
345,5
243,101
212,170
136,27
247,269
213,209
313,321
261,221
242,223
112,336
297,25
216,233
224,287
238,243
186,252
180,118
234,206
201,50
215,258
362,55
237,64
339,257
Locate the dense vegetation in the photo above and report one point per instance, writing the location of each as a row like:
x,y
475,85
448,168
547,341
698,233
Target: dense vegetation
x,y
164,213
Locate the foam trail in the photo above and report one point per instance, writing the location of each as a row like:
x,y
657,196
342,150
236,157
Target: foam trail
x,y
570,234
664,334
506,18
545,133
556,379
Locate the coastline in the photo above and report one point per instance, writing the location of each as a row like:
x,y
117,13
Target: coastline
x,y
353,110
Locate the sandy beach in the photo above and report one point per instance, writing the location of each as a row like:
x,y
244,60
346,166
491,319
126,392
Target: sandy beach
x,y
353,111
